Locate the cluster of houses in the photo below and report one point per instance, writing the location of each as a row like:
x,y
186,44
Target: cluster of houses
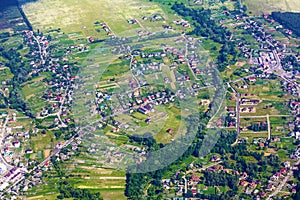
x,y
14,139
59,95
147,68
183,23
296,155
265,59
269,52
10,177
245,101
290,88
276,179
106,29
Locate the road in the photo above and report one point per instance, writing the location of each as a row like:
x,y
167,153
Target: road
x,y
186,57
55,151
269,127
237,108
1,139
130,67
197,170
40,48
286,179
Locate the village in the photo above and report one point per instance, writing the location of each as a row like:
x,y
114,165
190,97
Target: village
x,y
144,91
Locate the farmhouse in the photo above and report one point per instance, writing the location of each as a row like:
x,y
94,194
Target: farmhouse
x,y
143,111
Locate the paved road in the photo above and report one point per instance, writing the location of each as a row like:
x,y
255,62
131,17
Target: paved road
x,y
1,139
55,151
286,179
40,48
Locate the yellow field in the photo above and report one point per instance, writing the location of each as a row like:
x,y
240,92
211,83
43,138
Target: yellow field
x,y
257,7
80,15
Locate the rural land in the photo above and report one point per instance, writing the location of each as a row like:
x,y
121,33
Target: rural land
x,y
150,99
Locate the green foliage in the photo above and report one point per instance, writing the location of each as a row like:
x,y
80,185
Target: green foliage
x,y
289,20
290,63
68,191
207,27
220,179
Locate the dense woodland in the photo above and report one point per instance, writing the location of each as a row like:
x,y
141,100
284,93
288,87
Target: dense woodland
x,y
288,20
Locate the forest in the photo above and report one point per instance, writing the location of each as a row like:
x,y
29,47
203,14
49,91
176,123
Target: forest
x,y
288,20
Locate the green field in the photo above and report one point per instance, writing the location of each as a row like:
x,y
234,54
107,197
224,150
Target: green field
x,y
32,92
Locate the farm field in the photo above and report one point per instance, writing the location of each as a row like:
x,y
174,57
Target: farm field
x,y
111,82
257,7
80,16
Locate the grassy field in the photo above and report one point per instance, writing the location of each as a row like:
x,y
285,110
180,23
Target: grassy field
x,y
80,16
5,74
257,7
31,93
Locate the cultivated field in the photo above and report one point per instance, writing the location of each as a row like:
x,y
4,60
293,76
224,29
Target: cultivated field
x,y
79,16
257,7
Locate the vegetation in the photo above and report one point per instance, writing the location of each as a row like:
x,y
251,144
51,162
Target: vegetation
x,y
206,27
289,20
68,191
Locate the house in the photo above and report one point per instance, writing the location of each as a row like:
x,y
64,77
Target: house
x,y
214,158
194,179
283,170
16,144
116,130
169,131
28,151
263,194
143,111
252,79
261,145
287,164
148,107
157,17
270,187
132,21
194,192
244,183
91,39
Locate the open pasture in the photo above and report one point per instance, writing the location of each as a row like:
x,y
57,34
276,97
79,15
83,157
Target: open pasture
x,y
80,16
257,7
